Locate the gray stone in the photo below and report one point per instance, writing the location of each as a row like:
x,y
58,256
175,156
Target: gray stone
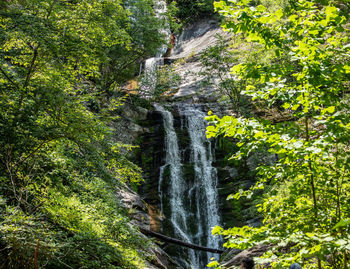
x,y
236,259
139,213
258,158
194,40
255,222
126,131
233,172
136,207
142,113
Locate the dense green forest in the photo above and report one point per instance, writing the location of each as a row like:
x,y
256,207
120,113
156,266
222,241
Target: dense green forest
x,y
298,70
62,67
61,64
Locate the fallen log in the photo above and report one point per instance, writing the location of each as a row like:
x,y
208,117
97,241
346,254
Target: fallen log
x,y
178,242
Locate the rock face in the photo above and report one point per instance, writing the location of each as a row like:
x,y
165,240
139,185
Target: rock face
x,y
234,257
145,128
126,127
196,38
136,207
151,155
136,123
193,41
140,214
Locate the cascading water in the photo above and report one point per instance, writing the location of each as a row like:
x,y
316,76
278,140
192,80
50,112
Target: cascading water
x,y
178,216
191,203
204,189
149,81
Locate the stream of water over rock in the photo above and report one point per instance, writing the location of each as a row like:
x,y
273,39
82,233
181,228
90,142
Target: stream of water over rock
x,y
149,80
189,202
187,182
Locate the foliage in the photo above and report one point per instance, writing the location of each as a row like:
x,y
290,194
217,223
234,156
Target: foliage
x,y
123,61
175,22
159,80
60,167
167,80
189,11
306,201
217,60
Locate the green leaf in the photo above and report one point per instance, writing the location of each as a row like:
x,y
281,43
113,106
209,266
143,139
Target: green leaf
x,y
219,5
329,110
213,264
286,105
260,8
295,107
279,14
331,11
342,223
240,144
237,69
217,230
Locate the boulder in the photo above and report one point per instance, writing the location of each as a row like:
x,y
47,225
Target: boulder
x,y
136,207
147,217
232,259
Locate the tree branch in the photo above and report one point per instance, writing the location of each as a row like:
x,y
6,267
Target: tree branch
x,y
178,242
30,70
8,78
31,67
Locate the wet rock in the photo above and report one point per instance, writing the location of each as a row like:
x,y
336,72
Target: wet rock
x,y
162,260
229,254
127,128
126,131
155,217
132,112
255,222
233,172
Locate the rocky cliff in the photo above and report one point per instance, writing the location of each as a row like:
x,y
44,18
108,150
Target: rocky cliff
x,y
145,127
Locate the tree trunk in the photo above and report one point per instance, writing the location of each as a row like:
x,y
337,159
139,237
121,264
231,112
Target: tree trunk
x,y
178,242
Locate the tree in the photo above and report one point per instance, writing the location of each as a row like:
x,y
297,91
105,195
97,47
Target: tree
x,y
143,28
48,50
217,60
59,164
189,11
305,205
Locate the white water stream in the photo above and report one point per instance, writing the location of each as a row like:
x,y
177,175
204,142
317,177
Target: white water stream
x,y
193,206
206,180
149,80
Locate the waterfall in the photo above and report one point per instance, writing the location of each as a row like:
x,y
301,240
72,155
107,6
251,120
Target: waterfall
x,y
178,215
192,203
149,80
206,180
